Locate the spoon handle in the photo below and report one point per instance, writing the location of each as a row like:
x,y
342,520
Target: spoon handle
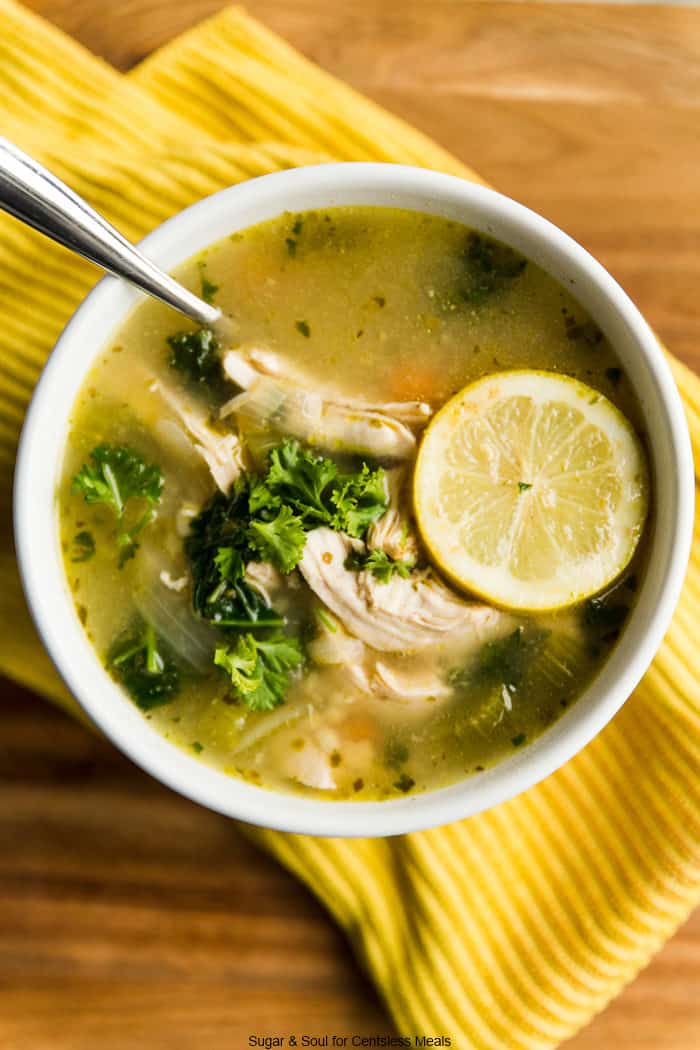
x,y
36,197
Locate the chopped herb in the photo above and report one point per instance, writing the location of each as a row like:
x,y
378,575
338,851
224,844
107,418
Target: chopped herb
x,y
260,669
280,540
335,759
516,741
523,486
380,564
357,785
196,355
209,289
83,546
291,247
395,754
614,375
218,549
117,476
585,330
267,517
404,783
196,746
360,499
145,667
297,227
379,300
319,494
303,328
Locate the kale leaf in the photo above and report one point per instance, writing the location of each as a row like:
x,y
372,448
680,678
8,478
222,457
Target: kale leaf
x,y
117,475
380,564
196,355
218,551
504,661
260,669
145,667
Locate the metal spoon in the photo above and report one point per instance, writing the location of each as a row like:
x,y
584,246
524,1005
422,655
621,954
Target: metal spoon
x,y
36,197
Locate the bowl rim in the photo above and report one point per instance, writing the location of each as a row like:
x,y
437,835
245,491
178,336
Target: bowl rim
x,y
43,439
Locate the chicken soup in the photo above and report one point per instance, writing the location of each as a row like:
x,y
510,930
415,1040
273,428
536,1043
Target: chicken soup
x,y
266,571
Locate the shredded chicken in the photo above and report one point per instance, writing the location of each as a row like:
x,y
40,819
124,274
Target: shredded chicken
x,y
402,615
408,683
393,533
245,365
222,453
264,578
324,419
309,766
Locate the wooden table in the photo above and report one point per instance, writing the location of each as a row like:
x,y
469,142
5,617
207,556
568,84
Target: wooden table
x,y
131,919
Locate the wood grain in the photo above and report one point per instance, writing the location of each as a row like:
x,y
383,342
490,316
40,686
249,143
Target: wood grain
x,y
130,918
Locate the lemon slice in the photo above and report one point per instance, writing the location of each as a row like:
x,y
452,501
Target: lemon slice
x,y
530,490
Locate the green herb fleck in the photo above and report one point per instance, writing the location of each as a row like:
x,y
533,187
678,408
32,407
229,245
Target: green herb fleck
x,y
303,328
83,546
516,741
396,754
197,747
523,486
585,331
209,289
291,246
404,783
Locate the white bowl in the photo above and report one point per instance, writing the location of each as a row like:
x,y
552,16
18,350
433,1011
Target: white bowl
x,y
92,326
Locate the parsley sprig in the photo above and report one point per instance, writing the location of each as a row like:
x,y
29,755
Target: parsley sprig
x,y
120,478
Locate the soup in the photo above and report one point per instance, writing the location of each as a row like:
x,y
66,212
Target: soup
x,y
237,516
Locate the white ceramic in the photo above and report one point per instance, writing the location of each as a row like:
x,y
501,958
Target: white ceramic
x,y
91,327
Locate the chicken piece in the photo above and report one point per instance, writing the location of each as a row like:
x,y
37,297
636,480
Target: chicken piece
x,y
247,364
408,683
394,533
264,578
325,424
319,418
335,646
309,766
222,453
402,615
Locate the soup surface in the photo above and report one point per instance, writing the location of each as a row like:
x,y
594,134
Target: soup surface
x,y
237,520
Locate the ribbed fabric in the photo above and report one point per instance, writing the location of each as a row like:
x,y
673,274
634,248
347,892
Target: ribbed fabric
x,y
509,930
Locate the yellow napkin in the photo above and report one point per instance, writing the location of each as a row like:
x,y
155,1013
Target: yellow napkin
x,y
509,930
